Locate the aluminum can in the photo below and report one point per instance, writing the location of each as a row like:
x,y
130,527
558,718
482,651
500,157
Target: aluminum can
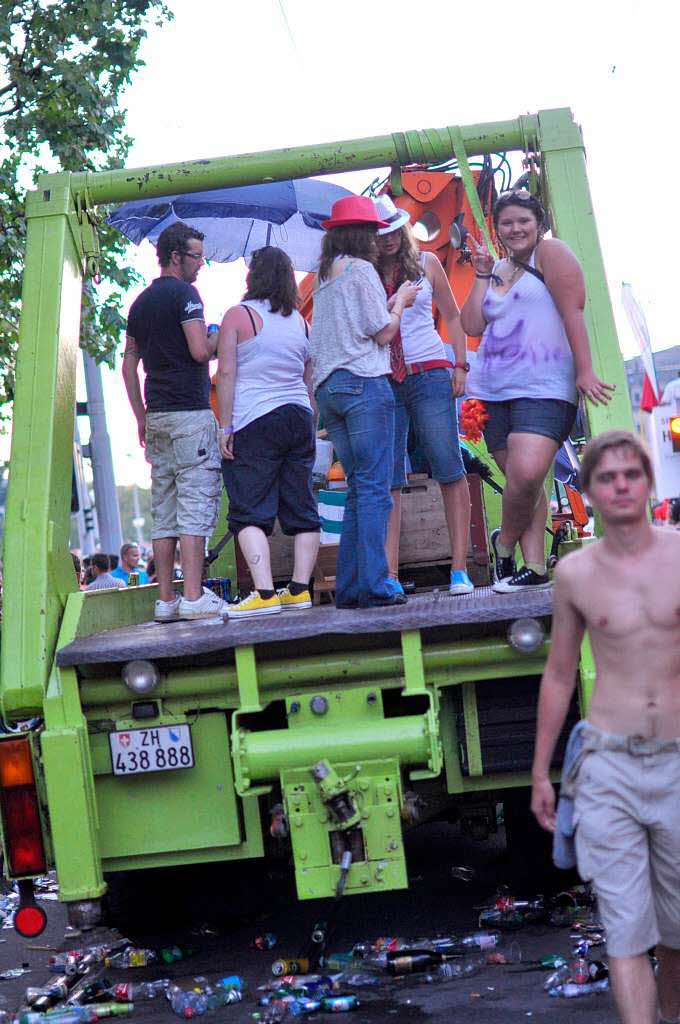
x,y
133,579
281,967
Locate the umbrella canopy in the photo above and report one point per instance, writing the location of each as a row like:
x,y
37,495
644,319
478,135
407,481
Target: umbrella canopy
x,y
236,221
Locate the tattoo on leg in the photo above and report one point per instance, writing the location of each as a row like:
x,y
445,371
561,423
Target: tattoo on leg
x,y
254,559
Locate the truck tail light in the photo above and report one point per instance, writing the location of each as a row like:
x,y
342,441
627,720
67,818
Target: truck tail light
x,y
19,809
675,433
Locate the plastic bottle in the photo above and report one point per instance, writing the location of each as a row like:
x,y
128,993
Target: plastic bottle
x,y
130,957
465,967
355,979
69,961
223,997
137,992
477,940
77,1014
171,954
511,953
412,961
558,977
571,990
187,1004
340,1004
379,945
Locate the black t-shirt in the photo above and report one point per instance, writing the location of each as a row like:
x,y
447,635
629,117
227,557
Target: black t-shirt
x,y
175,382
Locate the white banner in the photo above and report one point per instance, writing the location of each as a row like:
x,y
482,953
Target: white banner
x,y
641,332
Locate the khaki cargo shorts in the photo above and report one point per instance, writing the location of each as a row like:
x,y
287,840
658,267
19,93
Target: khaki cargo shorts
x,y
185,472
627,815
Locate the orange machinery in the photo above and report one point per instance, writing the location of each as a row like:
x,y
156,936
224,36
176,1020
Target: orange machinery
x,y
436,202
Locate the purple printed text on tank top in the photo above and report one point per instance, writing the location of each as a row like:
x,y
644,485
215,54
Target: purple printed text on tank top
x,y
507,348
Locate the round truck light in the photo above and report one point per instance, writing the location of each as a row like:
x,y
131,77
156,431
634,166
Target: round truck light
x,y
526,635
141,676
30,921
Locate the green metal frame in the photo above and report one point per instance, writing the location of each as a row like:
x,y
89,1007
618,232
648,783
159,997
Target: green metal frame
x,y
47,611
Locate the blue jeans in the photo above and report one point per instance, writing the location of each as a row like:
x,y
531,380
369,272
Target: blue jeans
x,y
426,400
358,413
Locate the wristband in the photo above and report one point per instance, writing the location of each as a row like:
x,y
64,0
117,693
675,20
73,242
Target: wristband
x,y
484,277
462,366
227,430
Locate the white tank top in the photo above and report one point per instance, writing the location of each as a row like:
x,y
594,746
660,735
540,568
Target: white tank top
x,y
270,366
419,338
524,351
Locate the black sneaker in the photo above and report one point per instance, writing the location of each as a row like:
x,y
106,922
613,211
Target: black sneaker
x,y
523,580
503,567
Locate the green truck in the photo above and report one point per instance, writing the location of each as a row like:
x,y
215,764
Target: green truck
x,y
164,745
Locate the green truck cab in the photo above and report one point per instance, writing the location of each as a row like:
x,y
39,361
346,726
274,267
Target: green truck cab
x,y
328,728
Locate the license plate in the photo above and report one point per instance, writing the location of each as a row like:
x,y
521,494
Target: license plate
x,y
160,749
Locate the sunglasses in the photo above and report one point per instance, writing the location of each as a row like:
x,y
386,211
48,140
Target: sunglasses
x,y
194,255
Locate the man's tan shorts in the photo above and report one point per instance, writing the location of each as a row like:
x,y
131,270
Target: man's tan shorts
x,y
627,815
185,472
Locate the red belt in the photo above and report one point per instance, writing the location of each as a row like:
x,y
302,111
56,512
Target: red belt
x,y
431,364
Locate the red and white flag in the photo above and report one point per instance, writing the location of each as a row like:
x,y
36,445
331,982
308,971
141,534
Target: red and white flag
x,y
650,386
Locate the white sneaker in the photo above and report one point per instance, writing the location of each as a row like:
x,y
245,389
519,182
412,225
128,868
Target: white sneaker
x,y
167,611
205,607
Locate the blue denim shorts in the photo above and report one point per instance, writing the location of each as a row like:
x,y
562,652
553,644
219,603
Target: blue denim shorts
x,y
549,417
427,401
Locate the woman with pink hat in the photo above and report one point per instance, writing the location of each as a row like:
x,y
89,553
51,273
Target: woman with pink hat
x,y
424,389
351,331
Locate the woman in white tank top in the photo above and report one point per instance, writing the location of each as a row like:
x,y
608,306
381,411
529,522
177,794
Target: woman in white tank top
x,y
533,360
267,436
424,389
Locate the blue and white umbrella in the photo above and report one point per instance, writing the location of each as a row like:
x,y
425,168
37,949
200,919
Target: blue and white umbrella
x,y
236,221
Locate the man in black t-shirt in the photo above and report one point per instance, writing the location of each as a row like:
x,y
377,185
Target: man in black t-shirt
x,y
166,331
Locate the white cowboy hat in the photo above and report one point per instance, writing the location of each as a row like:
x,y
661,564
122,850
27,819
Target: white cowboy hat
x,y
393,215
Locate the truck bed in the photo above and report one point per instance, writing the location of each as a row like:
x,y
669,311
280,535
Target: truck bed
x,y
152,640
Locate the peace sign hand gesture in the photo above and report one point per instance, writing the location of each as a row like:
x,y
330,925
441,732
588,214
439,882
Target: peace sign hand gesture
x,y
482,260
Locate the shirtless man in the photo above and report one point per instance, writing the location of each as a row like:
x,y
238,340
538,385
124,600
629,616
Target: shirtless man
x,y
625,590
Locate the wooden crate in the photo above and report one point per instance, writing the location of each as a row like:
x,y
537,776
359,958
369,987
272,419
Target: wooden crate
x,y
424,538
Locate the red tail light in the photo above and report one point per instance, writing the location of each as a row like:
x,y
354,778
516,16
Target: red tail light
x,y
19,808
30,921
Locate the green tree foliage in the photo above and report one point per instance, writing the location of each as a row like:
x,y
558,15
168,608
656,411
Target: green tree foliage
x,y
63,67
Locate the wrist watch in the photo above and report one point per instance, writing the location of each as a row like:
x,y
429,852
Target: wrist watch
x,y
462,366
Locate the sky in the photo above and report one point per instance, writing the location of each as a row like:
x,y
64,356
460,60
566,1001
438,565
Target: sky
x,y
226,78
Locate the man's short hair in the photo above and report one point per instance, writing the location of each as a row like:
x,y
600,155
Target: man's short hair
x,y
126,547
174,239
597,446
100,562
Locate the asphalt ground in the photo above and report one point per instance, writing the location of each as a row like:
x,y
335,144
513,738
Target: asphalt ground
x,y
240,902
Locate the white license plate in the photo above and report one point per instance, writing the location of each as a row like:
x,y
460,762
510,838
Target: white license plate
x,y
158,749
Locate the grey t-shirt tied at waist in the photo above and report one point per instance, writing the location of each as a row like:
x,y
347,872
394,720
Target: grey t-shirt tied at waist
x,y
349,310
584,739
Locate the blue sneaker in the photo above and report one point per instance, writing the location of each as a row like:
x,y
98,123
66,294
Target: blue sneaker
x,y
460,582
394,586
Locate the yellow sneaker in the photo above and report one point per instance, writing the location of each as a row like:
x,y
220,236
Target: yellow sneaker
x,y
294,601
253,605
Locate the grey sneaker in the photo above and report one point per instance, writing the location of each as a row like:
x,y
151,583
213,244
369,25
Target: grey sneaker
x,y
167,611
207,606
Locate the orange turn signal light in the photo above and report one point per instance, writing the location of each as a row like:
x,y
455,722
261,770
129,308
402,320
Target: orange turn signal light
x,y
16,764
675,425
